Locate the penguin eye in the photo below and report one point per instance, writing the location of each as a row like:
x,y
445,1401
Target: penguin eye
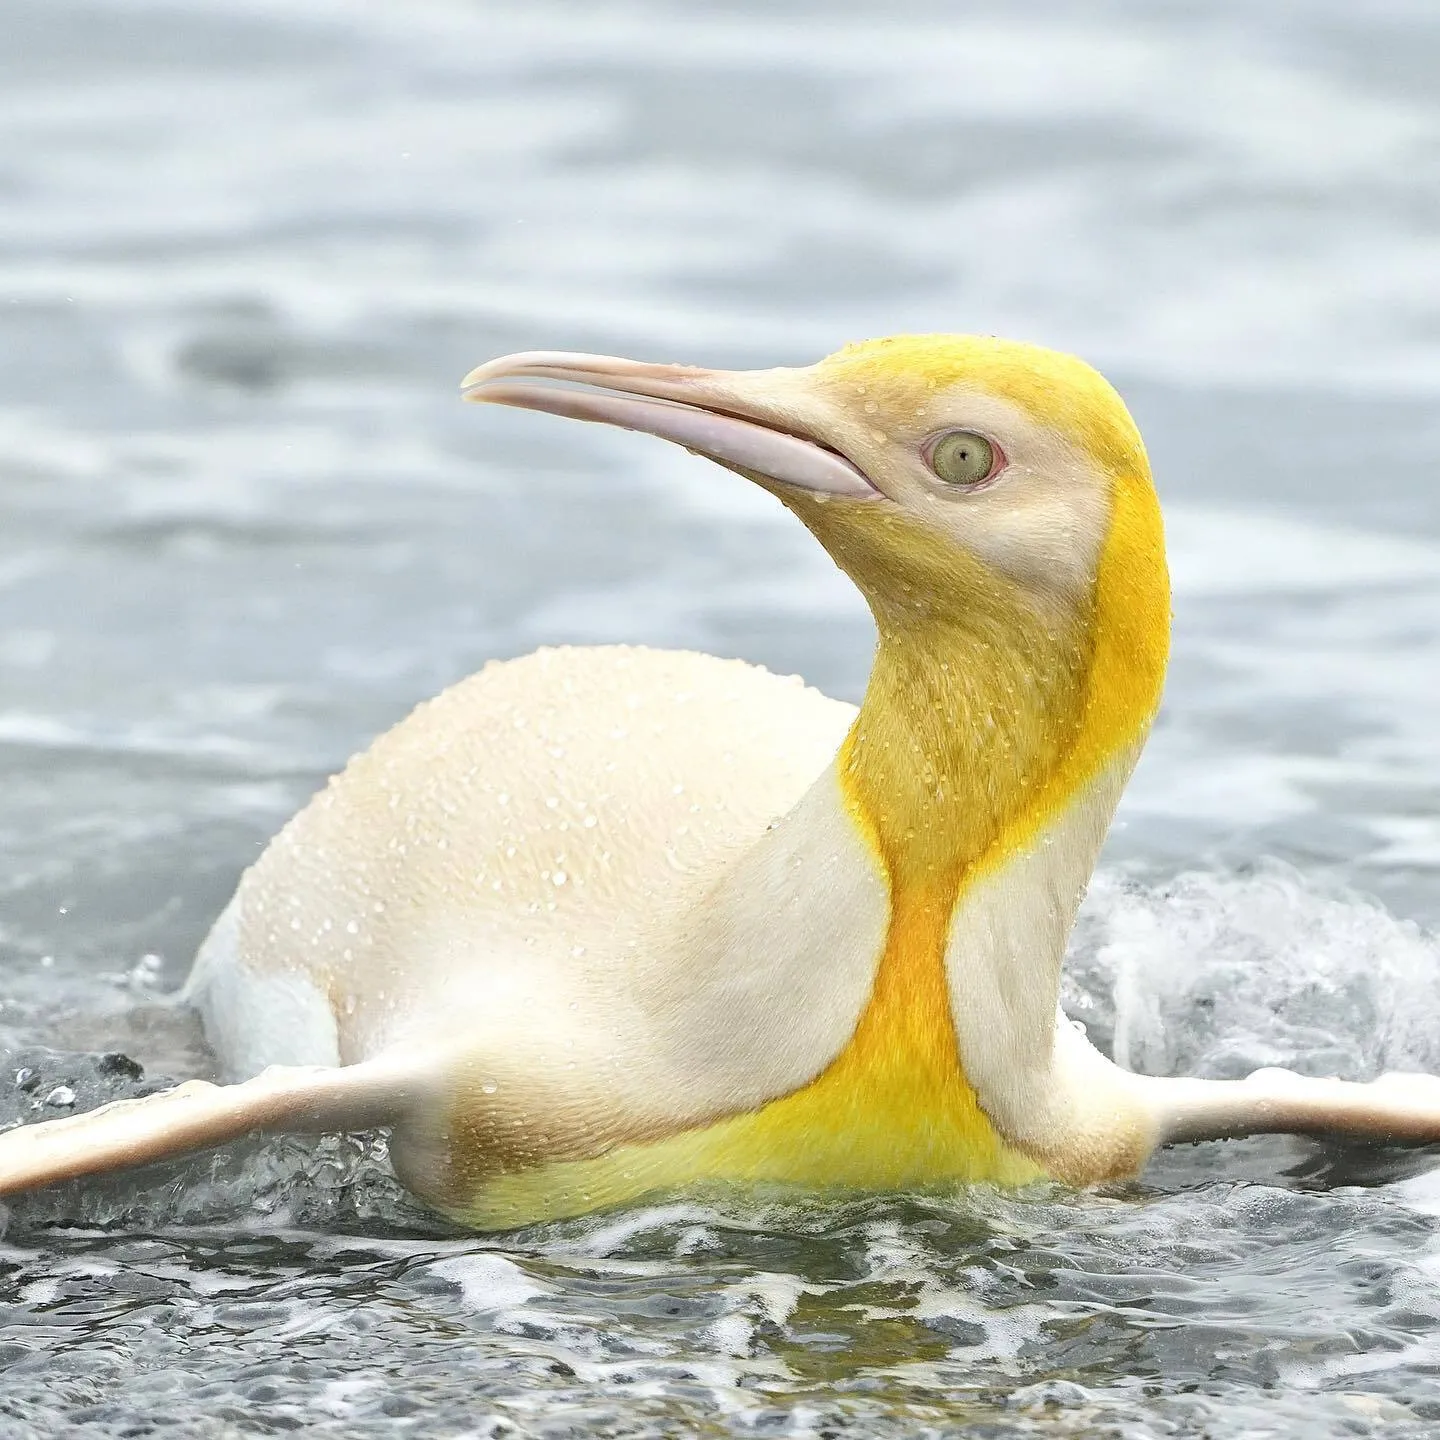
x,y
961,457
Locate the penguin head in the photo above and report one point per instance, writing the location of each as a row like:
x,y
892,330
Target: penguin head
x,y
968,485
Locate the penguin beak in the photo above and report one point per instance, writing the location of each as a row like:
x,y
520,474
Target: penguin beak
x,y
722,414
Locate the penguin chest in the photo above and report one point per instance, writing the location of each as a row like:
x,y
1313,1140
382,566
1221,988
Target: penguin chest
x,y
893,1109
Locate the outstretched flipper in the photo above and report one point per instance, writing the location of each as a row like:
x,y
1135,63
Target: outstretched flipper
x,y
1396,1109
198,1115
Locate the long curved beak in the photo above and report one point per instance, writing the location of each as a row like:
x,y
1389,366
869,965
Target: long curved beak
x,y
725,415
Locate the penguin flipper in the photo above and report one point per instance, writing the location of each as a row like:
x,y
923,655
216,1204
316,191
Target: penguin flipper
x,y
198,1115
1397,1109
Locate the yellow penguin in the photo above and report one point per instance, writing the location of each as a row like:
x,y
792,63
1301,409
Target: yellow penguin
x,y
599,922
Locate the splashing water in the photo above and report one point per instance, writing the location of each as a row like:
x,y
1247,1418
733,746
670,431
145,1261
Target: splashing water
x,y
1218,976
1194,1297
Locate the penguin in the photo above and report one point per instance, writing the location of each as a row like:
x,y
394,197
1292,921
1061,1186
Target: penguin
x,y
601,922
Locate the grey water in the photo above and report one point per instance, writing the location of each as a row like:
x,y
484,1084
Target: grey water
x,y
246,252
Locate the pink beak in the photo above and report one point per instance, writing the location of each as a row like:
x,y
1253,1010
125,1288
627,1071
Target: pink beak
x,y
721,414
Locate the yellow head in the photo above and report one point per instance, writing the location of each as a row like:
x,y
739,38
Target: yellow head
x,y
1017,576
992,501
994,455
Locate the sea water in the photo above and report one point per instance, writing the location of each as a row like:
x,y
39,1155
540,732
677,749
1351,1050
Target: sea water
x,y
246,252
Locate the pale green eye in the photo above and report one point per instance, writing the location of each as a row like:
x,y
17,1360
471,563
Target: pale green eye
x,y
962,458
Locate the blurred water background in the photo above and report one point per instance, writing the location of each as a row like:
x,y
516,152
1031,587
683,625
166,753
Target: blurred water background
x,y
246,252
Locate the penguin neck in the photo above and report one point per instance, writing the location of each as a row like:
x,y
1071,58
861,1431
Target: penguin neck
x,y
963,727
977,740
991,716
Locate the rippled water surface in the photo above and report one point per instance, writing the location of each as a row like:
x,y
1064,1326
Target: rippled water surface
x,y
247,250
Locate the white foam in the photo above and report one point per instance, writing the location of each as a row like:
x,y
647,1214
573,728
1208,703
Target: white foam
x,y
731,1334
764,1296
344,1398
599,1240
40,1292
1218,975
489,1281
